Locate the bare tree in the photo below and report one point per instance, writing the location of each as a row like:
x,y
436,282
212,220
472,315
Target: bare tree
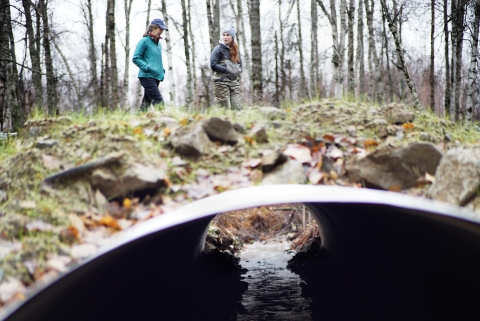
x,y
303,81
169,54
256,44
351,69
213,17
110,33
34,54
338,37
432,57
375,85
314,49
360,50
189,96
193,51
447,51
393,26
149,8
92,56
127,10
472,85
52,98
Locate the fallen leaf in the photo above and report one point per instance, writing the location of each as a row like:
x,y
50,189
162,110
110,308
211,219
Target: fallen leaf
x,y
138,130
50,162
298,152
249,139
430,178
39,226
369,143
10,288
252,162
127,203
408,126
334,152
166,132
256,175
315,176
28,205
333,175
109,221
184,121
7,247
82,251
329,138
395,188
59,263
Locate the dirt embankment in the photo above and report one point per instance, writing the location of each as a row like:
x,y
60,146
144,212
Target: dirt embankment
x,y
68,184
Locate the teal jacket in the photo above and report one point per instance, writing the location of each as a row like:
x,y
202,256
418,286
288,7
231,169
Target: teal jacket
x,y
148,57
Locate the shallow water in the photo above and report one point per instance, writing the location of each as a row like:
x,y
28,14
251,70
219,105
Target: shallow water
x,y
274,293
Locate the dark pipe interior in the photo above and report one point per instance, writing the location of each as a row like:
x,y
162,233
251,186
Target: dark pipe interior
x,y
382,263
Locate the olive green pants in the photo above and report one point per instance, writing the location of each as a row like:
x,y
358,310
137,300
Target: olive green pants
x,y
227,93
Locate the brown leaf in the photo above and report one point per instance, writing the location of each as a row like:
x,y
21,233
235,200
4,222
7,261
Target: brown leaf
x,y
395,188
109,221
298,152
369,143
330,138
256,175
315,176
334,153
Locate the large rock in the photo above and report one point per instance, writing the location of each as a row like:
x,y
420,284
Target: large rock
x,y
273,159
190,141
290,172
220,130
136,178
398,114
259,134
392,167
457,179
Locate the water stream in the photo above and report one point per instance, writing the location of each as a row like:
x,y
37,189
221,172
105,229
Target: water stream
x,y
274,293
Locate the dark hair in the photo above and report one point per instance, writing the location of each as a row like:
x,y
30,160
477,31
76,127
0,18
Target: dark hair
x,y
150,29
234,52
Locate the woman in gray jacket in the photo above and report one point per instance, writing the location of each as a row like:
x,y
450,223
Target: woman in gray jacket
x,y
226,65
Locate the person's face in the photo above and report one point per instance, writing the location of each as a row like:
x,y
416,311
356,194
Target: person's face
x,y
227,38
157,31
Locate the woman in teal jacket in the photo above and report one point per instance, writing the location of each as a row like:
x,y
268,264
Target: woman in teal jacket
x,y
148,57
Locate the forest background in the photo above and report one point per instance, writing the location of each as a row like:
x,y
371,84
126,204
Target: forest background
x,y
62,56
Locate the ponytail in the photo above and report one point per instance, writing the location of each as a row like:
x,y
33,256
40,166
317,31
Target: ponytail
x,y
150,29
234,52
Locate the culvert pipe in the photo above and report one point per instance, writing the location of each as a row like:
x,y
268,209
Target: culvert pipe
x,y
388,257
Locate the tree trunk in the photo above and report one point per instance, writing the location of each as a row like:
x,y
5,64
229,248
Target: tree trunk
x,y
386,49
34,55
432,58
451,108
360,50
168,49
52,98
314,49
276,97
246,56
400,54
113,54
213,17
283,77
256,43
303,81
102,90
447,59
92,55
149,8
459,58
376,77
194,54
351,54
126,76
472,86
188,98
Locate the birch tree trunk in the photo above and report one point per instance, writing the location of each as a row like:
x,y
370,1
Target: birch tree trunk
x,y
460,21
34,55
113,54
314,49
168,49
188,98
400,53
386,49
351,54
472,85
256,43
432,58
126,75
194,54
376,77
303,82
213,16
149,8
283,75
360,51
246,55
453,90
276,97
52,98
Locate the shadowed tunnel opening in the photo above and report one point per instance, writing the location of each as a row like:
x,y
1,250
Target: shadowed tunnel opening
x,y
381,261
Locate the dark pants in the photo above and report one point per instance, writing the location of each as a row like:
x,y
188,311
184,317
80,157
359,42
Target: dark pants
x,y
152,94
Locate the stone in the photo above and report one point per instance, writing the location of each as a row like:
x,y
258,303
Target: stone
x,y
190,141
137,177
424,137
457,179
259,134
239,128
44,144
220,130
273,159
448,138
168,122
394,167
291,172
272,112
398,114
352,130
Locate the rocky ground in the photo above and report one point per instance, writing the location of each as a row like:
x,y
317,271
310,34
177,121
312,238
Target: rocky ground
x,y
69,184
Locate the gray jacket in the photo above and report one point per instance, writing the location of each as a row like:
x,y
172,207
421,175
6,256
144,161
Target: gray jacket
x,y
217,60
